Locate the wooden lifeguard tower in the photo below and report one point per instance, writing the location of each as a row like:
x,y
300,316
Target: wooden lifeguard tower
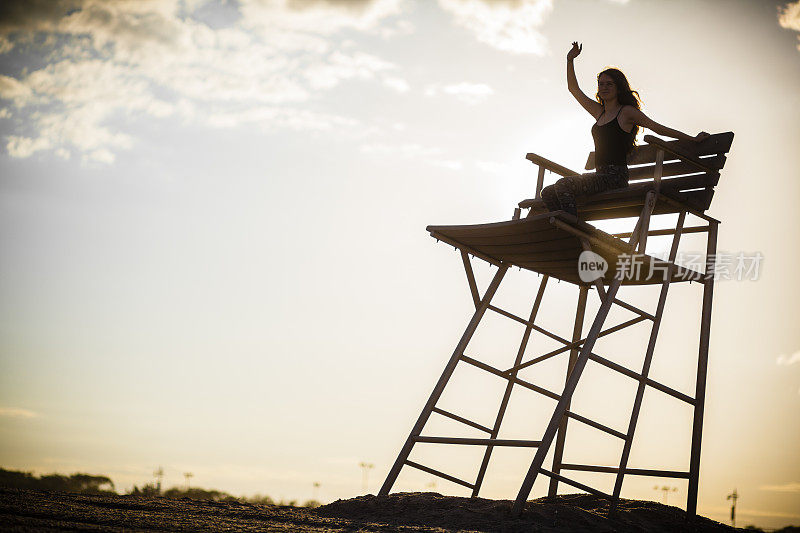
x,y
675,177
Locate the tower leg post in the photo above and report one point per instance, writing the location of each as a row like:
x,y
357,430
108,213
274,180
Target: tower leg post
x,y
402,457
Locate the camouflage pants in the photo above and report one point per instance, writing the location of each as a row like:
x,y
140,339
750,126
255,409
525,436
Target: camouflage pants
x,y
562,194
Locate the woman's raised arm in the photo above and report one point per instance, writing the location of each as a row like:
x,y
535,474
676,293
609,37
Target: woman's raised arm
x,y
592,107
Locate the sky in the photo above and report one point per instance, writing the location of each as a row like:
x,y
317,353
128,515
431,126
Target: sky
x,y
213,254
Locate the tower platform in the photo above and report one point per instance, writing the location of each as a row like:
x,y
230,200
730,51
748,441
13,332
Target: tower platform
x,y
551,244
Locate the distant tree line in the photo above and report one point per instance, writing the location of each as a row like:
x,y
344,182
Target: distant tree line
x,y
89,484
83,483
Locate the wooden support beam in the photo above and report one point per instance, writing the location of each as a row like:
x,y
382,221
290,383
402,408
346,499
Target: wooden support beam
x,y
473,287
442,475
702,371
402,457
577,333
574,483
648,358
629,471
631,374
656,232
501,411
574,344
461,419
518,381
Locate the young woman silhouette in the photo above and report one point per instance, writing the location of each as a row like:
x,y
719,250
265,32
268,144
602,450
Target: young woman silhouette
x,y
617,121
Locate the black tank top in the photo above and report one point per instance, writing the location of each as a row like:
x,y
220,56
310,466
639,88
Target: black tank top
x,y
611,142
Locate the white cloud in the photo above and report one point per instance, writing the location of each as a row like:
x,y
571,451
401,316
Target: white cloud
x,y
116,60
317,16
469,93
785,487
18,146
410,150
508,25
15,412
786,360
339,66
398,84
492,167
789,18
448,164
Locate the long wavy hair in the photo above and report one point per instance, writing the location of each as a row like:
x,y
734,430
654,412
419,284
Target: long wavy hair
x,y
625,96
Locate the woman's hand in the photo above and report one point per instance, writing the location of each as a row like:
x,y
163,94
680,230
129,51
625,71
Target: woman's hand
x,y
574,51
701,137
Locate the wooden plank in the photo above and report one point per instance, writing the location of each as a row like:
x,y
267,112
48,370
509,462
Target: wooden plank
x,y
550,165
719,143
565,243
543,236
480,442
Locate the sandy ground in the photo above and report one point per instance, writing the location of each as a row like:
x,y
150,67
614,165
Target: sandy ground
x,y
22,510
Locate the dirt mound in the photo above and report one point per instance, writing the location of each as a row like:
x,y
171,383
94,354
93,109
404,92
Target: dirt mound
x,y
568,513
27,510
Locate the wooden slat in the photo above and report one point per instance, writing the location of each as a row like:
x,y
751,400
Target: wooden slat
x,y
628,203
675,168
555,245
719,143
677,151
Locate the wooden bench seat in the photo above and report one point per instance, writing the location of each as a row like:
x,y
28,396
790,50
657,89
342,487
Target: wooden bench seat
x,y
688,174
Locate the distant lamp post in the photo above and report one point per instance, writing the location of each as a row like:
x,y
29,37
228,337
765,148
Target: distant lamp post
x,y
666,490
187,476
733,496
365,468
159,474
316,491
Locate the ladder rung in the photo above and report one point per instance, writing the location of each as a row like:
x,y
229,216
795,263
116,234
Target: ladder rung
x,y
657,473
518,381
480,442
597,425
630,373
461,419
575,484
631,471
442,475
